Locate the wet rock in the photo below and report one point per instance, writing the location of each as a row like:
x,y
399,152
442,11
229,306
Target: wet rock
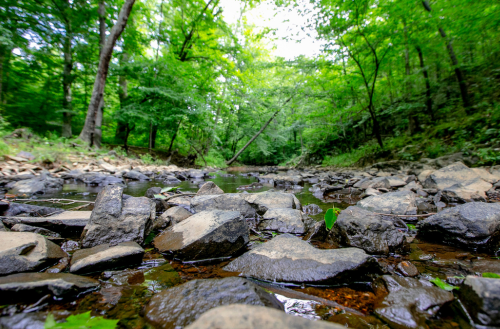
x,y
287,258
407,268
135,175
255,317
398,203
286,220
287,180
20,209
357,227
172,216
33,229
39,185
228,201
150,192
410,302
252,186
23,321
481,298
23,251
2,227
114,220
312,209
179,306
196,174
209,188
28,287
105,257
474,225
264,201
171,179
208,234
95,178
480,266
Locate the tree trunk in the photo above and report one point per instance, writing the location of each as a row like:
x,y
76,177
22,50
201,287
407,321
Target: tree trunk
x,y
102,41
121,128
102,72
153,129
428,97
68,68
174,136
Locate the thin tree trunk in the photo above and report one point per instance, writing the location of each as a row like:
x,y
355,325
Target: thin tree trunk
x,y
102,42
68,68
428,97
102,72
121,128
174,136
153,129
258,133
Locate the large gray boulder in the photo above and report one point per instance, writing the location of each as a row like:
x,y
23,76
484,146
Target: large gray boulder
x,y
410,302
209,188
481,298
179,306
208,234
357,227
287,258
228,202
23,251
29,287
397,203
106,257
255,317
286,220
378,182
39,185
474,225
264,201
114,220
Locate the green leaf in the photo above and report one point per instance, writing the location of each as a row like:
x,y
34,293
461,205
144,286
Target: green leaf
x,y
168,189
330,218
411,227
159,196
443,285
80,321
491,275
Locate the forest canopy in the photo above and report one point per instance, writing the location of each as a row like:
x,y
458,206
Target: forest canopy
x,y
395,79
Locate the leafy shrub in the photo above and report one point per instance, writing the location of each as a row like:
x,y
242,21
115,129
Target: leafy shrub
x,y
147,159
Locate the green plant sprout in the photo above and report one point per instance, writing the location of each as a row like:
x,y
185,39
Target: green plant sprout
x,y
331,217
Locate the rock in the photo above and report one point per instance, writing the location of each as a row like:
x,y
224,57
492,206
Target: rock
x,y
473,190
398,203
379,182
407,268
287,180
23,251
396,181
209,188
179,306
312,209
208,234
2,227
39,185
480,266
114,220
173,216
194,173
474,225
105,257
26,155
481,298
486,176
150,192
228,202
33,229
95,178
255,317
107,167
286,220
20,209
456,173
264,201
410,302
357,227
424,175
135,175
370,192
287,258
29,287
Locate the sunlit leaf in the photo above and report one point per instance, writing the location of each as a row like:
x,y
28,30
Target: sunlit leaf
x,y
443,285
80,321
159,196
330,218
491,275
168,189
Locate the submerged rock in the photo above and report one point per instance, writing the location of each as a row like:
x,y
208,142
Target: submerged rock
x,y
29,287
474,225
286,220
23,251
255,317
398,203
209,188
410,302
287,258
357,227
179,306
228,202
96,178
106,257
208,234
114,220
481,298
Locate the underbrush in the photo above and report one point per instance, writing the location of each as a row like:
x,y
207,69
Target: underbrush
x,y
213,159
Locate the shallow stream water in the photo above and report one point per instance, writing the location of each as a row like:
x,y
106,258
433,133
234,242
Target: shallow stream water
x,y
124,293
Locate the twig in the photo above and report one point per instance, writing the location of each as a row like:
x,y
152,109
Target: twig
x,y
424,215
61,201
177,195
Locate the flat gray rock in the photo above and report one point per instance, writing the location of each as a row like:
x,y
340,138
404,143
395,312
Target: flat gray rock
x,y
228,202
179,306
474,225
287,258
398,203
209,188
208,234
114,220
33,229
29,287
286,220
264,201
357,227
23,251
38,185
135,175
481,298
105,257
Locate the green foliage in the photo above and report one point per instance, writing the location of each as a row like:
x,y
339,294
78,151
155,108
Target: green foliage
x,y
331,217
147,159
411,227
443,285
80,321
214,159
491,275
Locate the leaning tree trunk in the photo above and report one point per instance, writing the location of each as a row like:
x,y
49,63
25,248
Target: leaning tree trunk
x,y
102,42
102,72
68,67
428,101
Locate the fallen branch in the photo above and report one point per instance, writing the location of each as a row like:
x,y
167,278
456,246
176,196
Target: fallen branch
x,y
424,215
60,201
177,195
